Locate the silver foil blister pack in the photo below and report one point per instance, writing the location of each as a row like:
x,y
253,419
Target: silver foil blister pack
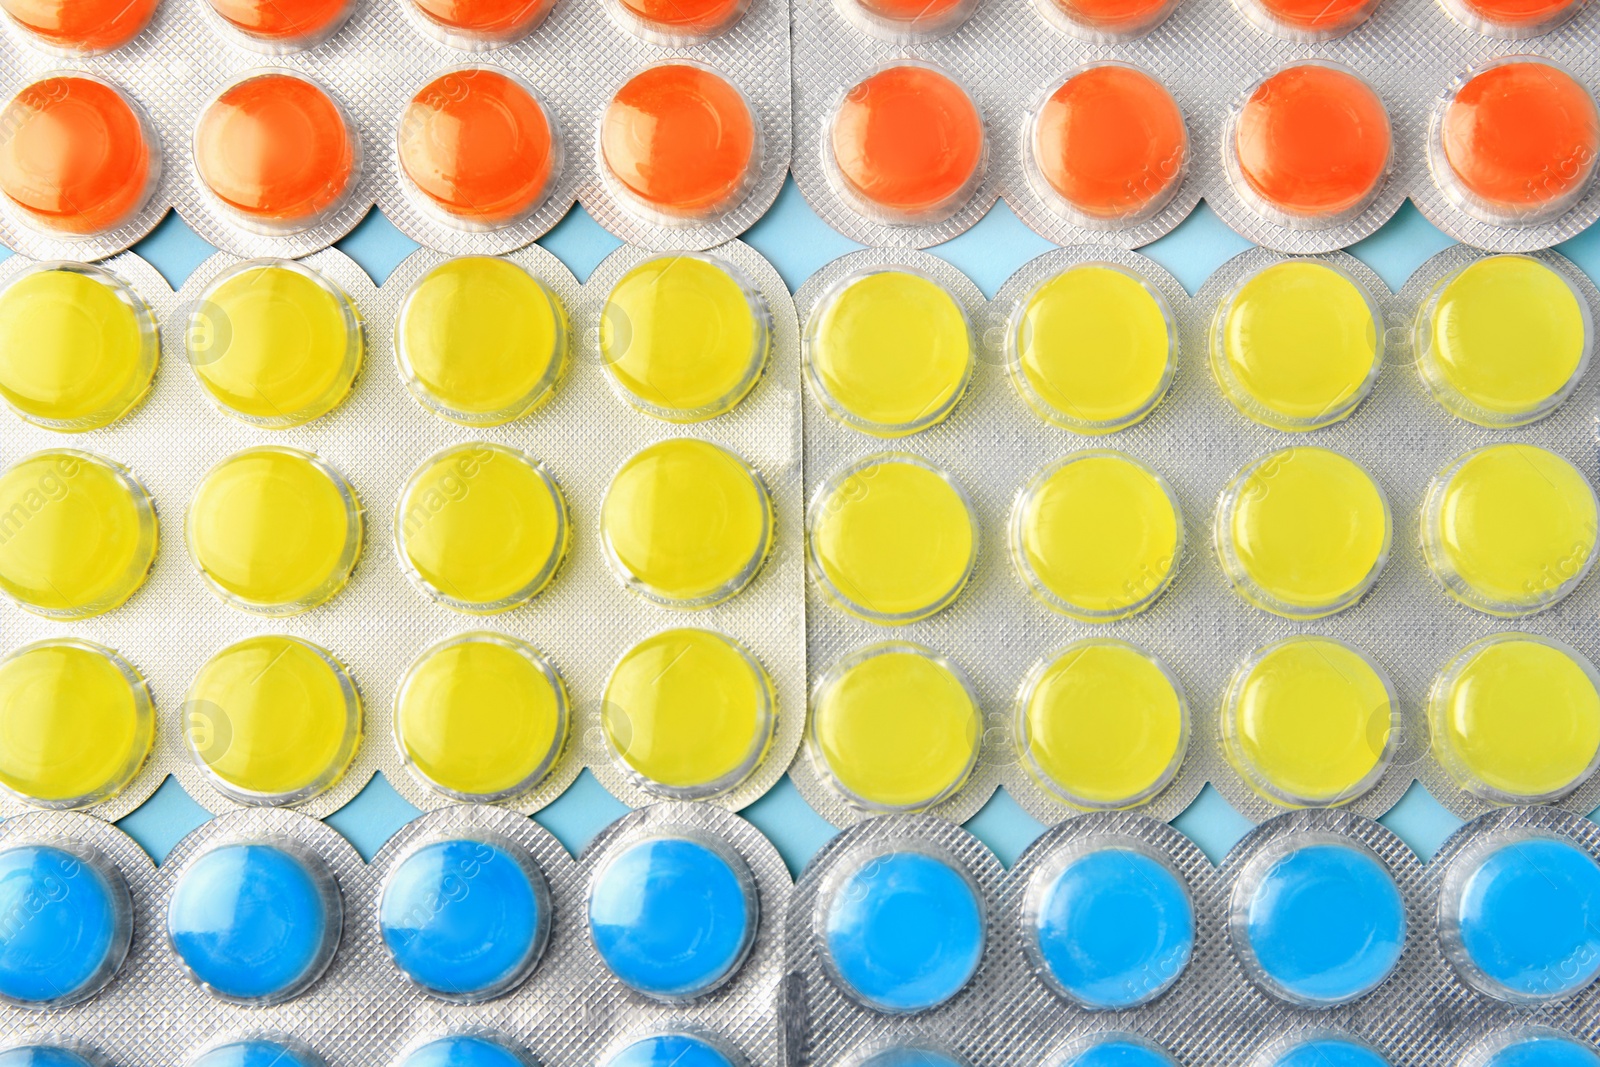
x,y
361,1007
1010,55
379,624
573,61
1200,628
1312,943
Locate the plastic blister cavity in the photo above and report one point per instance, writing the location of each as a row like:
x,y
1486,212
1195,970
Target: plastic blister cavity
x,y
274,530
80,346
70,927
465,918
78,723
673,917
1478,315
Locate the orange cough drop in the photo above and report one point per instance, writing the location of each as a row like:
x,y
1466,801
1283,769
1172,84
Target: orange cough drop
x,y
681,140
1313,141
909,144
479,146
1111,143
276,149
76,157
1520,139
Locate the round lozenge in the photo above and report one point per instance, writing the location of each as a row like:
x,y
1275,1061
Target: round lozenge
x,y
1109,146
681,142
1311,144
272,719
77,156
1515,19
675,23
1322,1049
1115,1049
907,144
481,528
275,1051
684,337
1317,922
895,727
688,713
255,923
277,152
1096,536
481,341
1515,719
1310,722
686,523
1092,349
1503,341
1515,142
78,347
1297,345
1510,529
673,917
81,27
1302,532
902,932
1101,725
889,352
481,717
477,25
465,919
283,25
1106,21
78,534
68,928
275,343
1520,918
76,723
1309,20
274,530
668,1050
1537,1046
478,146
908,21
891,539
477,1048
1110,928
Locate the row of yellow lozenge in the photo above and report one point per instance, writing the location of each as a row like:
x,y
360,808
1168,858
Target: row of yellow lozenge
x,y
480,342
481,716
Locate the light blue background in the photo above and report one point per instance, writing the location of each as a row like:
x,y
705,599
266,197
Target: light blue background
x,y
798,243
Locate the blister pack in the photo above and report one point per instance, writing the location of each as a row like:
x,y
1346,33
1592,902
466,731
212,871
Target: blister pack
x,y
273,128
478,528
1303,125
1295,535
472,938
1114,941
